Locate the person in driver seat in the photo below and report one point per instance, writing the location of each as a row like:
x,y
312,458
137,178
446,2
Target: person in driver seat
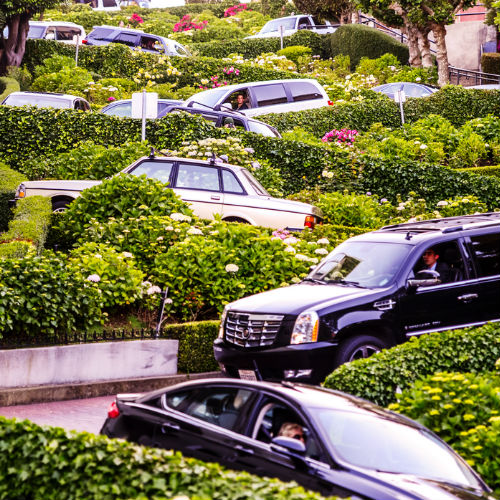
x,y
292,430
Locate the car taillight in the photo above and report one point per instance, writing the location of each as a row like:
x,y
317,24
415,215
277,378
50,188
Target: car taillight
x,y
113,410
310,221
84,41
330,103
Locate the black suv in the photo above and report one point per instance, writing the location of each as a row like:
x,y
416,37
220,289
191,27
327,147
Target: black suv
x,y
373,291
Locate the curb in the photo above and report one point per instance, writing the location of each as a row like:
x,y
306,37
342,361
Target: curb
x,y
49,393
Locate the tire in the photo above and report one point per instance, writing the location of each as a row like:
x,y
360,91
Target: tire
x,y
60,205
358,347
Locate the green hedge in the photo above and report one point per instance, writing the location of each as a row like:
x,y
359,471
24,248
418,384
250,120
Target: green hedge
x,y
493,171
196,354
490,63
377,378
9,180
7,86
358,41
51,463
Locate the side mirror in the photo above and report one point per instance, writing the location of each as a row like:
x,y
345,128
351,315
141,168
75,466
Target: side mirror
x,y
290,445
425,277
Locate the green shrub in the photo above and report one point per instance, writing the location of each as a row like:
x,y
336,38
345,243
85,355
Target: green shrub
x,y
7,86
377,378
43,295
294,52
9,180
21,75
30,221
490,63
493,171
357,41
49,462
195,353
16,249
470,151
122,197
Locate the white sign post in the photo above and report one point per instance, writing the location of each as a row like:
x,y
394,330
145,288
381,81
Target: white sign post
x,y
399,96
282,32
77,48
144,105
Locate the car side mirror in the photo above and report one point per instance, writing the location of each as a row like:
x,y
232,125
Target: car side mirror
x,y
290,445
425,277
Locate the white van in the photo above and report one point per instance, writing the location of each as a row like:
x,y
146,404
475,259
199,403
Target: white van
x,y
61,31
105,5
272,96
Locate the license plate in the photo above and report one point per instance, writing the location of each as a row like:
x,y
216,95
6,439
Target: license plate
x,y
247,375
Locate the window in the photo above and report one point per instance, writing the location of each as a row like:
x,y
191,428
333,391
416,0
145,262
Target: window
x,y
261,128
304,23
268,95
122,109
222,406
446,259
230,183
67,34
486,249
154,170
303,91
129,39
198,177
34,32
101,34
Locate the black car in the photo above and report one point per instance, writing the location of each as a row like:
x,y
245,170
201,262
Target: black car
x,y
325,440
225,119
373,291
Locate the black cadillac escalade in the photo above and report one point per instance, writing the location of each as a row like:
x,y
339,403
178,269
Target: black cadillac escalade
x,y
371,292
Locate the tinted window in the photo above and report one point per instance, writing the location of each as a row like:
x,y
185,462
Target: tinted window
x,y
304,23
230,182
41,101
486,249
124,109
154,170
444,258
209,97
303,91
261,128
36,31
101,34
415,91
109,3
180,50
268,95
127,39
66,34
198,177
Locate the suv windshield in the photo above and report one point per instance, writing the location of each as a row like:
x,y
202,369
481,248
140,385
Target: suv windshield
x,y
366,263
209,97
288,24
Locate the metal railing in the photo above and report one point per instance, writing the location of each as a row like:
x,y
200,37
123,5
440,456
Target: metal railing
x,y
471,77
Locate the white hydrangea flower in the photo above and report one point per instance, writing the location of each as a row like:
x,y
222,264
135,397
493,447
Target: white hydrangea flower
x,y
290,249
323,241
127,254
169,228
153,289
321,251
168,301
194,231
98,256
94,277
423,146
442,203
302,257
180,217
232,268
296,280
290,240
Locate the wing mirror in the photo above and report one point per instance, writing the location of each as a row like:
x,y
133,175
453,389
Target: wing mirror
x,y
425,277
290,444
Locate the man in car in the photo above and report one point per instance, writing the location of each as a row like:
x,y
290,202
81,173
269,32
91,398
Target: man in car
x,y
292,430
240,103
431,262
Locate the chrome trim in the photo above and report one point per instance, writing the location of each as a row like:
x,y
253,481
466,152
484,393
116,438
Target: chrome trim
x,y
453,327
251,330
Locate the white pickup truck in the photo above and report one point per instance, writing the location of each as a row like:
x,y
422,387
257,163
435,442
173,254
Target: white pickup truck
x,y
292,24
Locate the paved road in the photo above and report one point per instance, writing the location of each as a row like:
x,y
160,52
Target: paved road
x,y
76,414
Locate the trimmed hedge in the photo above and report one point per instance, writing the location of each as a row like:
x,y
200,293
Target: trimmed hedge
x,y
493,171
9,180
196,354
358,41
377,378
7,86
490,63
51,463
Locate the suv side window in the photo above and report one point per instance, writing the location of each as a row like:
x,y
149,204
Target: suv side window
x,y
129,39
486,249
304,23
303,91
268,95
446,259
197,177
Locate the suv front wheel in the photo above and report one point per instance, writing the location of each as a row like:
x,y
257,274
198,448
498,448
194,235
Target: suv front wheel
x,y
358,347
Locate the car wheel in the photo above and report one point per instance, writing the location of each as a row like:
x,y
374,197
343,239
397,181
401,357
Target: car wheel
x,y
358,347
60,205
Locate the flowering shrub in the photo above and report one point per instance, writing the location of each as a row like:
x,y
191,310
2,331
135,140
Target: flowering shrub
x,y
232,11
135,19
187,24
343,136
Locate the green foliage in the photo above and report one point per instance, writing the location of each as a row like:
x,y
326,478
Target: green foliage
x,y
294,52
359,41
30,222
9,180
470,151
43,295
195,354
21,75
493,171
122,197
7,86
69,465
377,378
490,63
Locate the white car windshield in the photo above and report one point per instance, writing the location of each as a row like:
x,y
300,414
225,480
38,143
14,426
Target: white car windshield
x,y
258,187
36,31
385,445
288,24
366,263
208,97
36,100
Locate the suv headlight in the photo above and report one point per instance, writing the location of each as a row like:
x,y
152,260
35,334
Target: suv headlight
x,y
222,321
306,328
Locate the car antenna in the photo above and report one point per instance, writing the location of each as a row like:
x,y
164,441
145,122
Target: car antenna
x,y
213,159
408,236
152,153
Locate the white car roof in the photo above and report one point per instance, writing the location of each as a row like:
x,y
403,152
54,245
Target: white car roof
x,y
49,94
133,30
55,23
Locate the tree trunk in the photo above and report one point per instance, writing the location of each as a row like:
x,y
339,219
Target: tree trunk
x,y
439,32
425,48
415,57
355,16
14,46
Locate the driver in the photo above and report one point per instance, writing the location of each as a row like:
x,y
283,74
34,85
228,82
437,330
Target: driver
x,y
431,262
292,430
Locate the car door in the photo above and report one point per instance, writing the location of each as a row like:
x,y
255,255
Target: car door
x,y
485,290
438,307
199,185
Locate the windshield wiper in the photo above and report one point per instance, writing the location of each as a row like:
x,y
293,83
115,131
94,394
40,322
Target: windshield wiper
x,y
314,280
346,282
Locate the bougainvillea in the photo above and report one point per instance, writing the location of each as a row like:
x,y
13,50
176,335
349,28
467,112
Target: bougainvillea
x,y
343,136
135,19
187,24
232,11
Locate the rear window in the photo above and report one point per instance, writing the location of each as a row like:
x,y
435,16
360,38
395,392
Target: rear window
x,y
40,101
36,31
268,95
101,34
304,91
109,3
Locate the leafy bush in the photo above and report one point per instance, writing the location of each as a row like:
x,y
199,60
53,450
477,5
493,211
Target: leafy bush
x,y
294,52
196,340
44,295
68,465
7,86
122,197
490,63
357,41
9,180
377,378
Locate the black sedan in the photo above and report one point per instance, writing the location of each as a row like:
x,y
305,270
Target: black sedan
x,y
325,440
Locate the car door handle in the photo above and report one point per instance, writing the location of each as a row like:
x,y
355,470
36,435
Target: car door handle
x,y
244,449
468,297
169,426
215,197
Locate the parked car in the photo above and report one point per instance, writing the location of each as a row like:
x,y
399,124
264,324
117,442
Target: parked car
x,y
105,5
124,107
410,89
103,35
273,96
60,31
46,100
292,24
325,440
486,86
153,4
209,186
371,292
227,118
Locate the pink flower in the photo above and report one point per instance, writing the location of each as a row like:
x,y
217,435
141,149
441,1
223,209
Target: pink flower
x,y
111,98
